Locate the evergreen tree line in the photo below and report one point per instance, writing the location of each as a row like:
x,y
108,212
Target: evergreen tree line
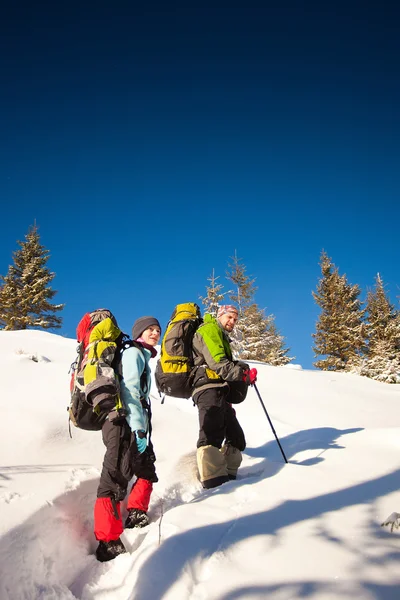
x,y
355,336
351,335
25,296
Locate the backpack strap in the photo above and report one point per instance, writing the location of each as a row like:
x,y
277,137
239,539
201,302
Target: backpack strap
x,y
146,404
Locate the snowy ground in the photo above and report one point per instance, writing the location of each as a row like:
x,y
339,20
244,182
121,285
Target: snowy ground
x,y
308,529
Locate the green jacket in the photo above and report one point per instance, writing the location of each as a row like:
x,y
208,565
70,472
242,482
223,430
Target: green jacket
x,y
213,361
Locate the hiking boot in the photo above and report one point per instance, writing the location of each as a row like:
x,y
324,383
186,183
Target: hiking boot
x,y
215,481
109,550
136,518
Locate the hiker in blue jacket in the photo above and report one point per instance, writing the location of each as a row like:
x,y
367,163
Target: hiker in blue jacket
x,y
129,450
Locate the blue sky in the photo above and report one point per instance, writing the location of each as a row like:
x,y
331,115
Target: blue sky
x,y
150,142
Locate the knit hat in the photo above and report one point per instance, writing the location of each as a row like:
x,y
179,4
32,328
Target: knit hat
x,y
225,308
141,324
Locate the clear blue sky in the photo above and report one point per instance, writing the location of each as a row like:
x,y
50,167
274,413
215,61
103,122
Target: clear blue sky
x,y
152,140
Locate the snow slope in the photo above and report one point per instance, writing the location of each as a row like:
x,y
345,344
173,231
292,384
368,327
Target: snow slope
x,y
306,529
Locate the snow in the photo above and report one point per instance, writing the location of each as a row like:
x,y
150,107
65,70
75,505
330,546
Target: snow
x,y
307,529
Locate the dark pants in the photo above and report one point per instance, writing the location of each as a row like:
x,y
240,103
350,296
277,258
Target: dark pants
x,y
122,461
217,419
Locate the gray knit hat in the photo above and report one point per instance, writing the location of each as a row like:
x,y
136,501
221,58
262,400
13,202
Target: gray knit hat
x,y
141,324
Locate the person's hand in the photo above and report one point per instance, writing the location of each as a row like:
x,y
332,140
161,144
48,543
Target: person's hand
x,y
243,365
141,440
250,376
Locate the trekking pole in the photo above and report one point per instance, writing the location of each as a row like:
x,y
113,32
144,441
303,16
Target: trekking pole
x,y
270,422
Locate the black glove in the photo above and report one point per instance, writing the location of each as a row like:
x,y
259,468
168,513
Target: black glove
x,y
240,363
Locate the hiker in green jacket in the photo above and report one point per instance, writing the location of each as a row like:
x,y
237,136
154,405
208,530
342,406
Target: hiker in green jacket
x,y
219,382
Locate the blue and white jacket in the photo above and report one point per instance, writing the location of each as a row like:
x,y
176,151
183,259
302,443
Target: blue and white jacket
x,y
134,362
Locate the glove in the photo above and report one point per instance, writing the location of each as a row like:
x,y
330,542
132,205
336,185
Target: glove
x,y
141,440
250,376
240,363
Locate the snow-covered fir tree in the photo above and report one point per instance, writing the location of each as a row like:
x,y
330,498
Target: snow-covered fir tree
x,y
215,296
383,365
276,350
243,297
25,293
341,332
9,291
255,336
262,340
382,361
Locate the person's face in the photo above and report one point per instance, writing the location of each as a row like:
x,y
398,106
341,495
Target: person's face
x,y
228,320
151,335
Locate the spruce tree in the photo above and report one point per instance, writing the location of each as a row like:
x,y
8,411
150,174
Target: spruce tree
x,y
9,294
244,288
341,333
243,296
383,356
276,353
25,293
262,340
255,336
214,298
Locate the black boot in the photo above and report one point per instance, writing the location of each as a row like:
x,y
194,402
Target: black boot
x,y
136,518
109,550
215,482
